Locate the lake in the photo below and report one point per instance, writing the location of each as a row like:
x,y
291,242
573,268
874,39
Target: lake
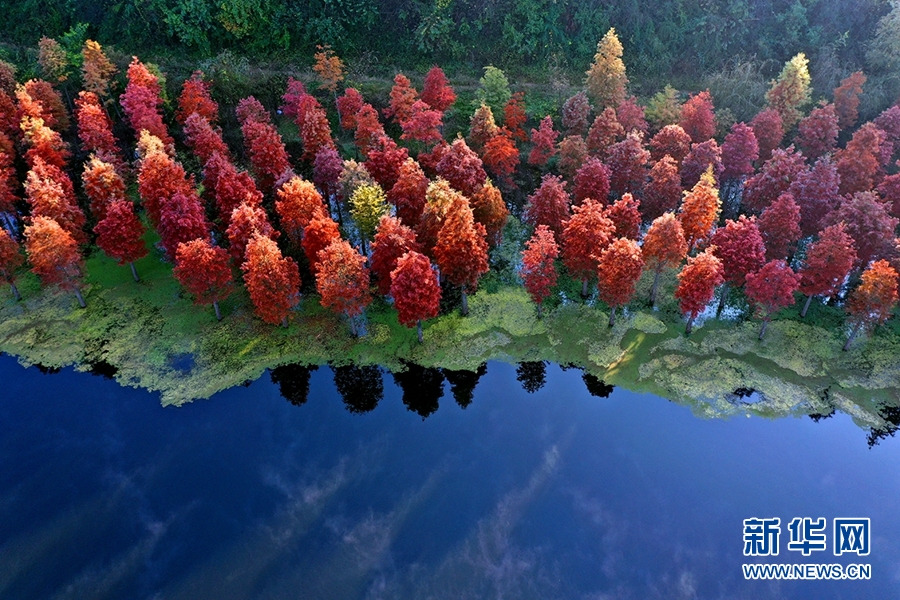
x,y
356,483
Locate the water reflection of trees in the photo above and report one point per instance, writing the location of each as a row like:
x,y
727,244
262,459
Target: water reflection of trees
x,y
532,375
293,382
596,386
891,416
361,387
462,383
422,388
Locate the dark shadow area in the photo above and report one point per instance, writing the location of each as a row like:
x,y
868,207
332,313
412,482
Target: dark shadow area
x,y
891,416
596,386
532,375
360,387
293,382
47,370
462,383
422,388
103,369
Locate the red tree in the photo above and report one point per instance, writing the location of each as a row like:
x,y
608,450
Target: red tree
x,y
327,169
889,123
817,133
539,267
697,117
10,260
575,113
54,257
439,197
585,237
95,129
631,115
43,143
415,289
250,109
697,284
272,280
121,234
490,210
627,163
54,110
368,129
247,220
549,204
770,289
572,152
846,98
769,131
779,225
195,98
348,107
461,249
514,116
873,301
408,194
267,153
739,151
423,125
605,131
619,269
462,168
740,247
592,181
816,192
9,182
181,219
773,180
700,210
663,191
234,188
827,265
384,161
481,127
889,190
671,140
664,247
142,102
858,163
393,240
204,272
403,96
293,98
203,139
49,197
102,185
298,204
544,142
318,235
501,156
701,157
315,131
437,91
342,280
626,217
870,225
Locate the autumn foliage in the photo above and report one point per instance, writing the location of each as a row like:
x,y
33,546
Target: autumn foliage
x,y
415,290
549,204
273,281
95,129
462,168
393,240
461,248
204,272
538,265
342,280
53,254
700,210
671,140
592,181
543,141
247,220
846,99
585,237
697,284
181,219
663,191
318,235
408,193
267,153
873,301
770,289
664,247
697,117
627,163
120,234
436,91
11,259
195,98
818,132
142,102
103,185
626,216
299,202
779,225
827,265
739,151
606,81
619,268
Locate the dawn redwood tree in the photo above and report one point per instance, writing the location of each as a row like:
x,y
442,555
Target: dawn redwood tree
x,y
888,189
142,102
604,132
482,127
543,141
273,281
247,220
858,162
121,234
234,188
328,67
739,151
96,69
592,181
501,157
627,161
10,260
368,129
348,106
44,144
697,284
267,153
664,247
626,216
779,225
575,114
315,131
774,179
342,281
461,249
204,271
318,235
9,182
250,109
816,191
818,132
791,90
889,122
54,257
671,140
619,269
159,179
846,99
606,80
631,116
740,247
195,98
415,289
384,160
367,205
403,96
873,301
95,129
299,202
769,131
585,237
700,210
461,168
49,196
870,225
697,117
439,197
572,153
424,124
181,219
327,168
514,116
539,267
408,193
828,263
293,98
54,111
549,204
102,185
437,91
490,210
204,139
663,191
770,289
701,157
393,240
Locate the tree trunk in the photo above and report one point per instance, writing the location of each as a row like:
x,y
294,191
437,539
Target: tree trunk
x,y
78,295
134,272
690,326
806,306
584,288
762,330
540,308
655,286
15,291
722,300
284,322
419,331
852,336
465,303
218,312
612,316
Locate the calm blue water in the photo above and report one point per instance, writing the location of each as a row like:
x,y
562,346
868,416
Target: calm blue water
x,y
551,494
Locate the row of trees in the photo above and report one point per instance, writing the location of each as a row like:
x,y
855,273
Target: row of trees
x,y
413,215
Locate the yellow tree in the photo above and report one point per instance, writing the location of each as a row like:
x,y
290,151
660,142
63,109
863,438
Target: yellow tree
x,y
329,67
700,209
367,205
791,90
606,79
